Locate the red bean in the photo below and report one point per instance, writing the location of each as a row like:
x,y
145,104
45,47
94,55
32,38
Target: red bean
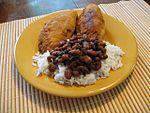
x,y
104,56
75,52
101,44
72,39
76,73
49,59
52,67
60,60
103,50
97,59
91,52
92,39
97,65
65,56
68,49
100,47
68,73
52,56
80,40
99,53
55,53
64,47
86,59
76,46
83,69
62,43
71,42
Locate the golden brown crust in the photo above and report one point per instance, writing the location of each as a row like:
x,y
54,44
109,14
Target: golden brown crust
x,y
62,27
91,21
57,29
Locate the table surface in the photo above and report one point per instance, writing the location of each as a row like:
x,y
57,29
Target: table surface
x,y
131,96
29,8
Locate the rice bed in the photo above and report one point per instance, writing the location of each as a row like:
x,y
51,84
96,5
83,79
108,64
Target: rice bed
x,y
113,62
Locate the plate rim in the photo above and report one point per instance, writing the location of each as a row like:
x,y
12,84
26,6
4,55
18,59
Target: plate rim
x,y
88,94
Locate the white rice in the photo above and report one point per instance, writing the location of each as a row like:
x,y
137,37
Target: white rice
x,y
113,62
40,61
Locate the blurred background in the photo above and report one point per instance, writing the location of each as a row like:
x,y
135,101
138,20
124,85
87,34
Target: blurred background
x,y
18,9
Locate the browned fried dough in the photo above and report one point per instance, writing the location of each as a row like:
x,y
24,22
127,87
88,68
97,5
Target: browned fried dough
x,y
57,29
91,21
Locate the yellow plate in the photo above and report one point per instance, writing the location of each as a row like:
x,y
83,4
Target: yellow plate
x,y
116,33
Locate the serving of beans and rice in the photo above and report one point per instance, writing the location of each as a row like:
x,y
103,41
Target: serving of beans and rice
x,y
80,60
80,54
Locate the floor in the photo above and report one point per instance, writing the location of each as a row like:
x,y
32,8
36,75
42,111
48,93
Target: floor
x,y
28,8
